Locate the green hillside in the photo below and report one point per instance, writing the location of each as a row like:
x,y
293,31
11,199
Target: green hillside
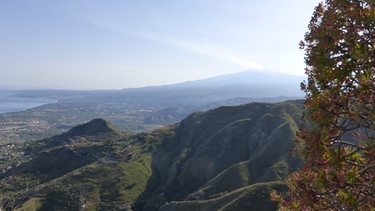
x,y
228,158
213,154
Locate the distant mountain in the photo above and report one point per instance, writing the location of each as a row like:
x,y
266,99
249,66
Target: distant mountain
x,y
228,158
145,109
248,84
254,78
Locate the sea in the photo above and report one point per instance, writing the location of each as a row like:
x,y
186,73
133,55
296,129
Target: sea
x,y
9,103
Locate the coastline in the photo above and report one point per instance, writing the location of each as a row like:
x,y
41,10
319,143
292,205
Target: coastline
x,y
10,103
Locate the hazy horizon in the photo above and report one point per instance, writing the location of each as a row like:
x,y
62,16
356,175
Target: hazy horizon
x,y
242,76
88,45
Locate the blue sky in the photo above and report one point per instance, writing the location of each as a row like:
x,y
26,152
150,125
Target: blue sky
x,y
114,44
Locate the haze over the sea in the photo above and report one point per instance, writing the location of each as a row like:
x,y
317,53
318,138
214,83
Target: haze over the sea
x,y
8,103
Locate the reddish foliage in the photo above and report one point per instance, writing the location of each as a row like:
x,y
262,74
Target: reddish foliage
x,y
339,147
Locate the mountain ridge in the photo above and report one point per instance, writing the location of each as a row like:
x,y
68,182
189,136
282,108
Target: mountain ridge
x,y
229,140
227,158
145,109
94,127
245,84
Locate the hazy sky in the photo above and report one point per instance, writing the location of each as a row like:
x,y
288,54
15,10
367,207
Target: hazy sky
x,y
114,44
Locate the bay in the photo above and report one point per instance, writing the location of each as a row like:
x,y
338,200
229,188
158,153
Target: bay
x,y
9,103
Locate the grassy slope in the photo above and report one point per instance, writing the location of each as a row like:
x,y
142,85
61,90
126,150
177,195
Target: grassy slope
x,y
218,152
100,171
104,185
227,158
252,197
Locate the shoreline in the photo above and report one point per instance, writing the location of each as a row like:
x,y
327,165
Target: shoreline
x,y
10,103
